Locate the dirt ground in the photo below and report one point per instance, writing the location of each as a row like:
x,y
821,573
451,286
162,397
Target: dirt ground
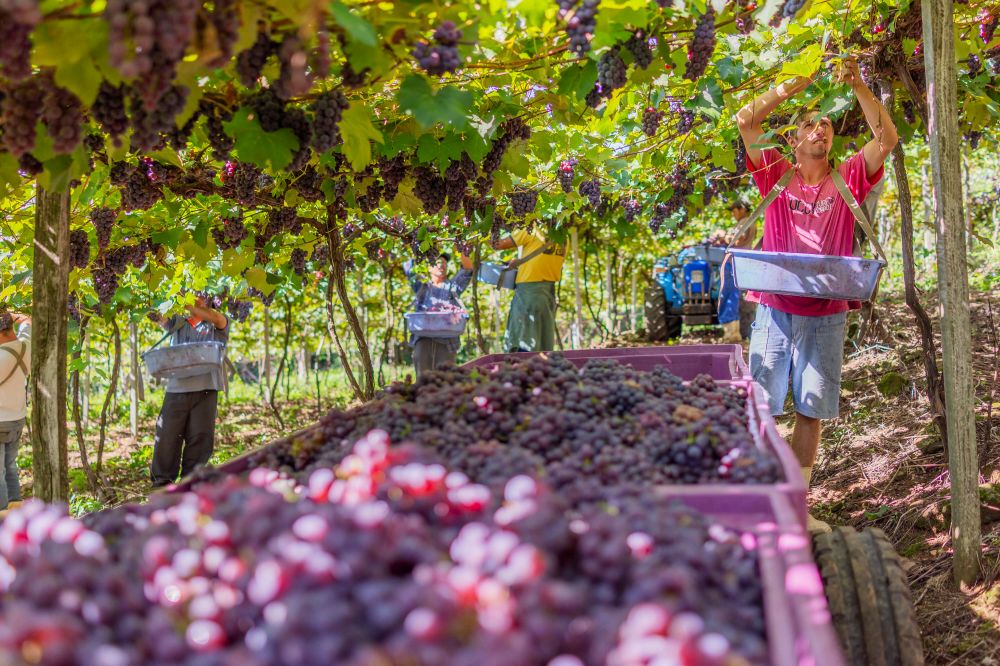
x,y
882,464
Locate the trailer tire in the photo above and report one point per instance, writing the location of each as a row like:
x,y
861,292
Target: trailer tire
x,y
655,306
869,598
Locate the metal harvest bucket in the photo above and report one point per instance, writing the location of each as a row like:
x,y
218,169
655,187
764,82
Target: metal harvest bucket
x,y
813,275
436,324
498,275
184,360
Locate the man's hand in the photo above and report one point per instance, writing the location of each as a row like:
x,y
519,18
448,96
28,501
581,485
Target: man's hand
x,y
794,86
512,263
19,318
848,71
751,117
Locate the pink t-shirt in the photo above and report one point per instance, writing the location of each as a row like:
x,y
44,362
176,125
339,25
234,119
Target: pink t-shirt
x,y
813,219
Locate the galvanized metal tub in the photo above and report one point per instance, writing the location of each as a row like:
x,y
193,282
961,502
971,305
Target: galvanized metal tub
x,y
813,275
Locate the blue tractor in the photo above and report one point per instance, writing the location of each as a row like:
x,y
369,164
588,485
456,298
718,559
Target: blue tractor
x,y
686,290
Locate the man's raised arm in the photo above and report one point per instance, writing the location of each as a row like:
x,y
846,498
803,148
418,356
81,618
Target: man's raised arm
x,y
884,130
750,118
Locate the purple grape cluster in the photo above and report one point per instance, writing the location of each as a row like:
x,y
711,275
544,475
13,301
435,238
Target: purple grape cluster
x,y
632,208
108,109
612,72
103,219
566,174
29,166
701,47
231,234
791,8
250,62
105,284
17,20
239,310
328,110
592,190
442,57
298,261
658,217
581,25
20,110
523,202
639,46
62,112
651,121
393,172
430,188
987,24
79,249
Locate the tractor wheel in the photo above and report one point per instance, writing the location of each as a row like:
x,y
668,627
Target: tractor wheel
x,y
674,325
869,598
656,314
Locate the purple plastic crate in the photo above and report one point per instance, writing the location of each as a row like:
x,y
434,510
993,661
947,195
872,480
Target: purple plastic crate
x,y
799,630
685,361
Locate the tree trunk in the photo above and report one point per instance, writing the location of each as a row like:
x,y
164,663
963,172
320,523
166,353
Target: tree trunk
x,y
50,297
953,286
266,384
480,341
116,363
88,471
281,364
332,326
586,298
354,324
610,286
935,389
578,302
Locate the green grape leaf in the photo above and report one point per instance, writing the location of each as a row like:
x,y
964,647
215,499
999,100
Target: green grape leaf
x,y
234,263
81,78
448,106
9,178
428,148
724,158
169,237
806,63
257,278
358,132
578,80
264,149
358,28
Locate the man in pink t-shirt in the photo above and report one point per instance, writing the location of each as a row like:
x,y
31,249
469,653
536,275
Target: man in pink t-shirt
x,y
793,336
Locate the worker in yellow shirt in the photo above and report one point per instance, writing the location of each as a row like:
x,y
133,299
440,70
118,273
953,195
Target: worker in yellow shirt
x,y
531,323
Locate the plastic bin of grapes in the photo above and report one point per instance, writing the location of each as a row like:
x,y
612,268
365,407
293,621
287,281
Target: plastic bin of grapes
x,y
725,364
796,615
685,361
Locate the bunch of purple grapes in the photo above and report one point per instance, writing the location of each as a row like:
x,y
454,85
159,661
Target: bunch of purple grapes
x,y
987,24
430,188
17,20
239,310
232,233
581,25
651,121
701,47
565,174
443,56
103,219
639,46
632,208
523,202
79,249
298,261
328,110
592,190
611,71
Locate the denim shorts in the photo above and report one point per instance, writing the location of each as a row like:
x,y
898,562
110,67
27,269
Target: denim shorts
x,y
810,350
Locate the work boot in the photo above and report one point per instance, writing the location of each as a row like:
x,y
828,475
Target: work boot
x,y
731,332
817,526
13,504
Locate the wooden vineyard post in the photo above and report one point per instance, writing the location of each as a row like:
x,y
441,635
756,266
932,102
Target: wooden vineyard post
x,y
133,384
577,303
953,286
267,355
610,286
50,297
633,320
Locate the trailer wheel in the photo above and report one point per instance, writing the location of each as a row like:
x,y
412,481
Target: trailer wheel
x,y
655,304
869,598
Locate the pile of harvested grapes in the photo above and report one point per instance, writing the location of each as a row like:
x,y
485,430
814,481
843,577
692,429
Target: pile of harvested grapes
x,y
510,523
387,559
578,429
